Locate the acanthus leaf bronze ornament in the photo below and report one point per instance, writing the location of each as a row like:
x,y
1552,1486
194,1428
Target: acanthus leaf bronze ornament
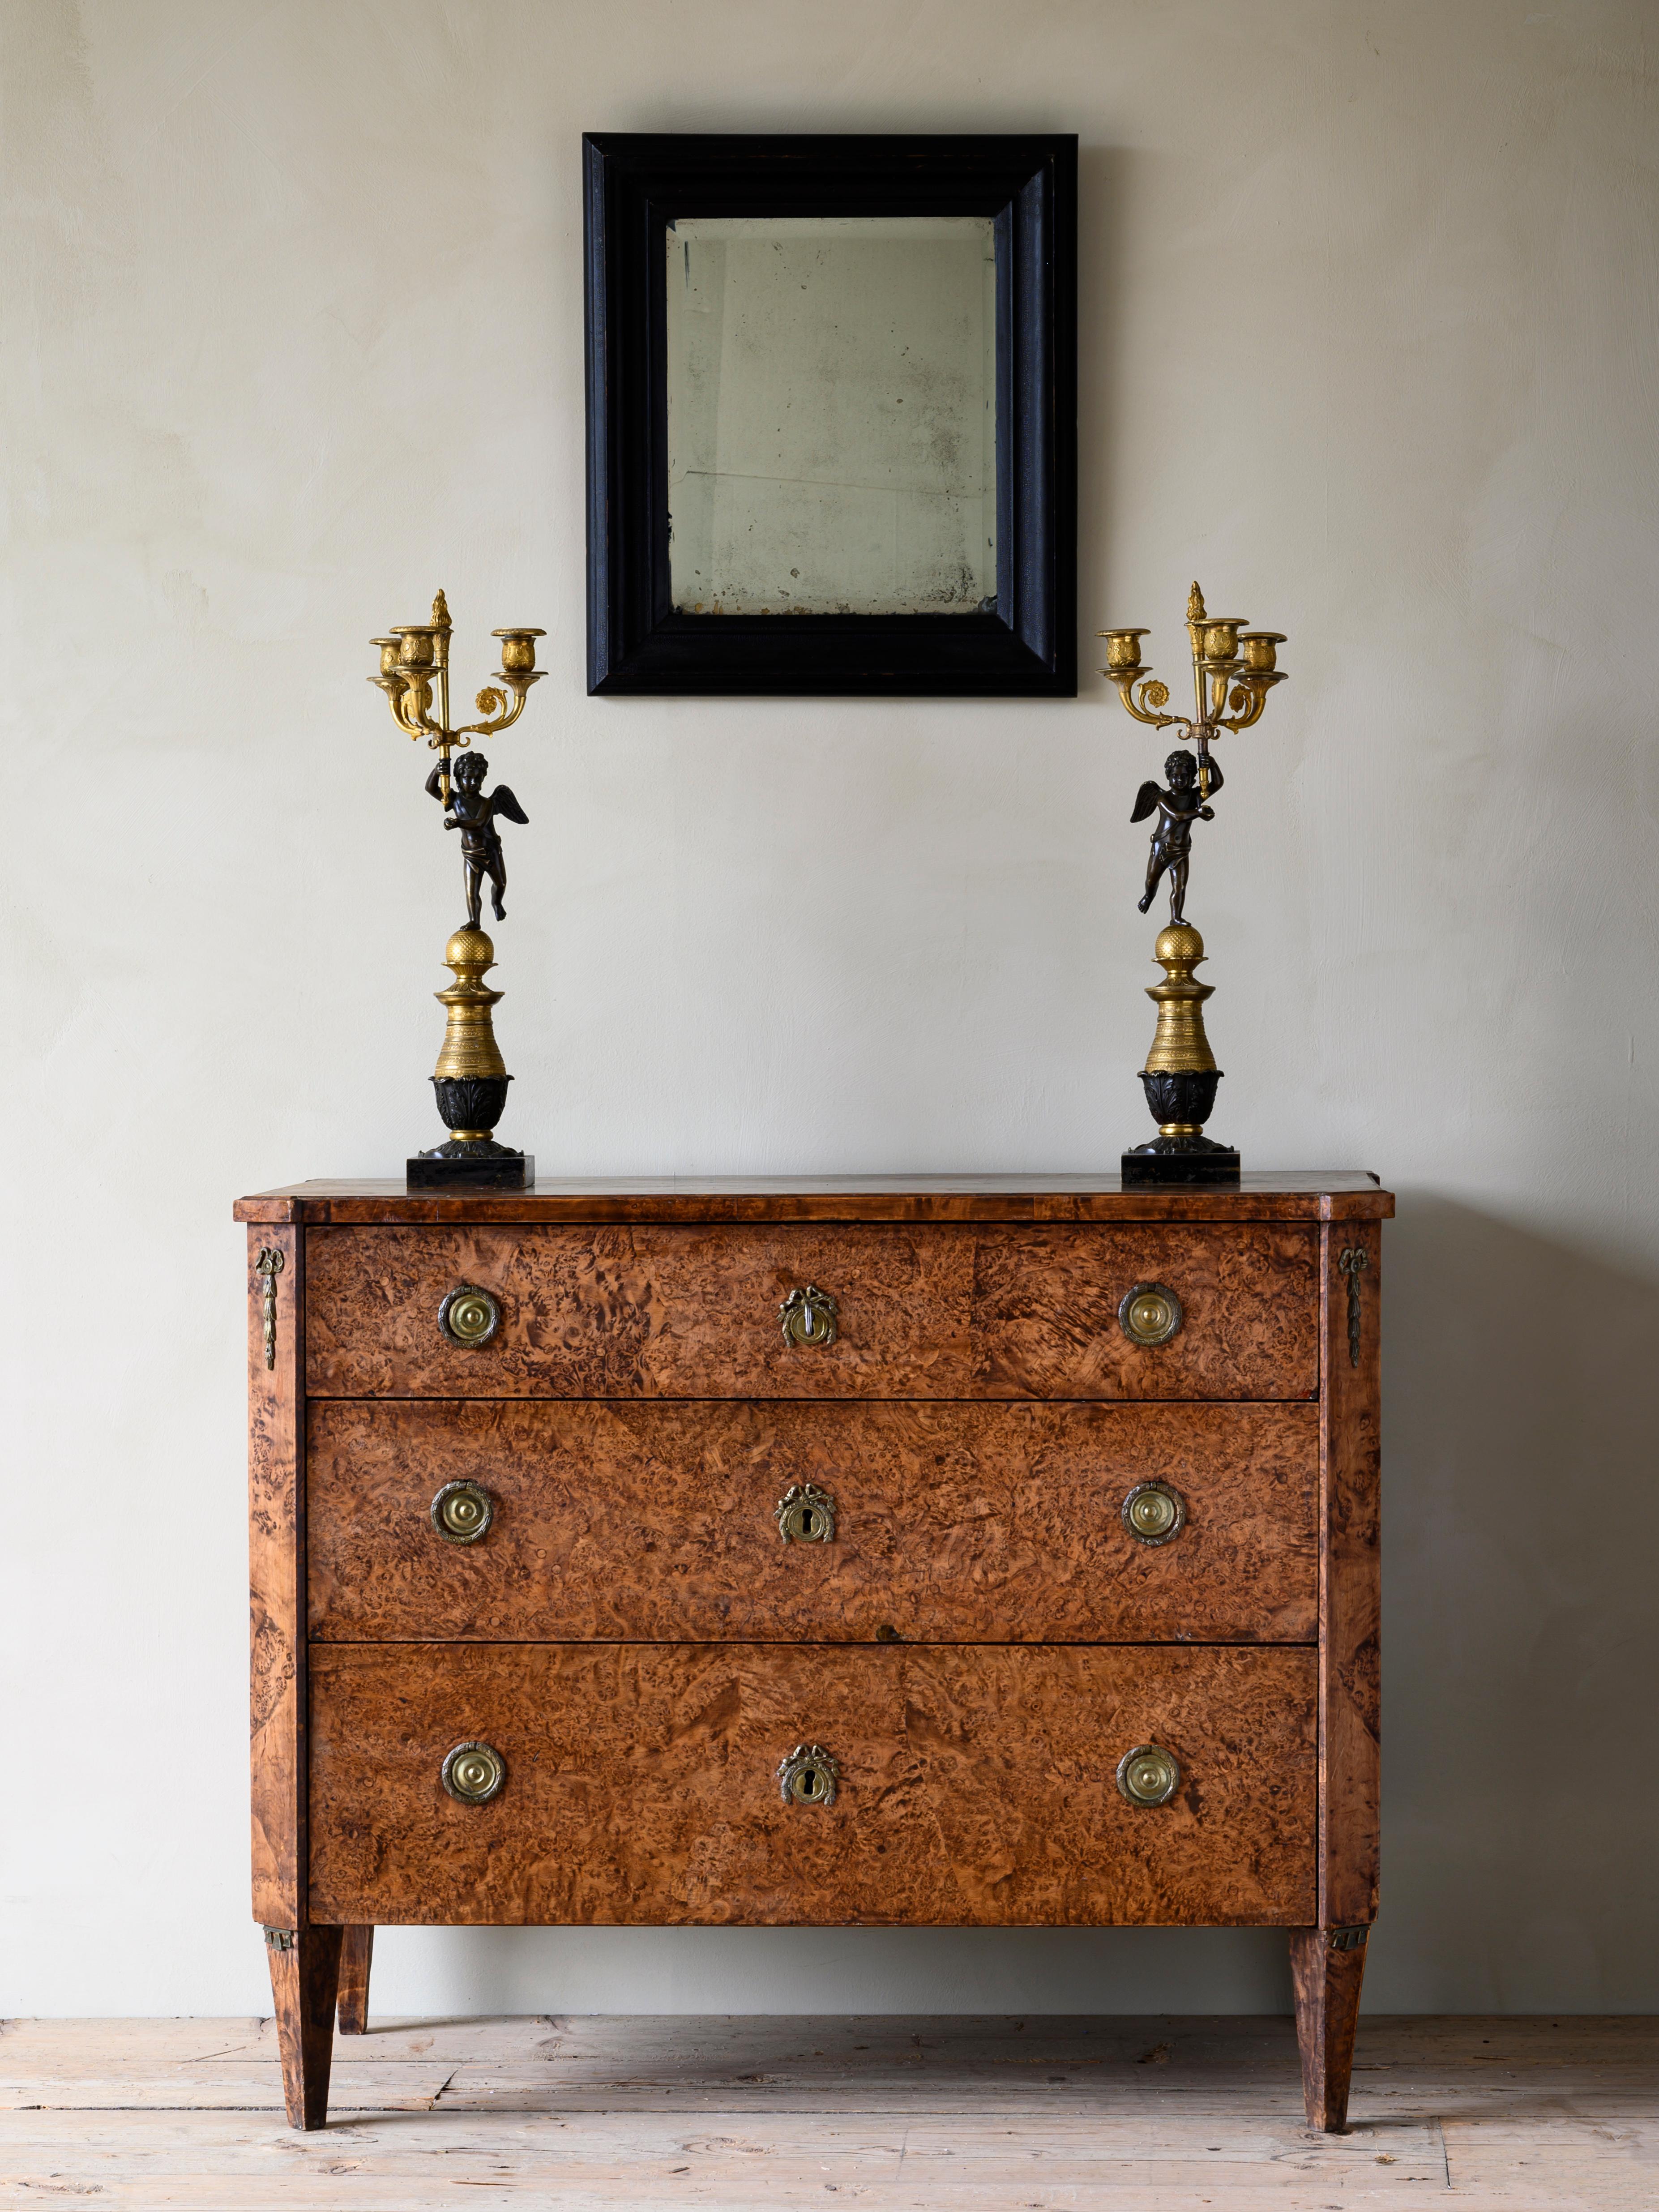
x,y
809,1777
1233,667
269,1264
1351,1263
470,1079
808,1316
805,1514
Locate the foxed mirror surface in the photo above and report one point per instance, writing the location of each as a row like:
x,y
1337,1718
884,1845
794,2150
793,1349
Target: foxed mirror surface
x,y
831,415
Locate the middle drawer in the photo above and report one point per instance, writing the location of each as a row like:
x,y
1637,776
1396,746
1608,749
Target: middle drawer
x,y
963,1524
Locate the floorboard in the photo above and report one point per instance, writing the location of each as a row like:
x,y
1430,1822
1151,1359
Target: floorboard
x,y
1056,2115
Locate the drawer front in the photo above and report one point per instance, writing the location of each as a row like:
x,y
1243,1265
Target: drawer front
x,y
953,1524
934,1312
976,1785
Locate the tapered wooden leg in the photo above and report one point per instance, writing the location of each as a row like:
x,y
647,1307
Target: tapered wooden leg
x,y
305,1978
1327,1968
356,1956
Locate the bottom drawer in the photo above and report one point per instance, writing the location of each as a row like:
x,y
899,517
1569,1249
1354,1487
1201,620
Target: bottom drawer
x,y
975,1784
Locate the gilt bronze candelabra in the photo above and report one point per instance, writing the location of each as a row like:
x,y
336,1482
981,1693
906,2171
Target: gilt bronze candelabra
x,y
470,1079
1233,668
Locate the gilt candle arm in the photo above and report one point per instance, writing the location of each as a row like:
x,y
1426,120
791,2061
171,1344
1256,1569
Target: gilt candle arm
x,y
1248,701
1141,692
412,710
491,703
1151,693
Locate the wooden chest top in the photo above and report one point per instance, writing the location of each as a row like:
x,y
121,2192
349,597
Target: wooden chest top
x,y
1289,1194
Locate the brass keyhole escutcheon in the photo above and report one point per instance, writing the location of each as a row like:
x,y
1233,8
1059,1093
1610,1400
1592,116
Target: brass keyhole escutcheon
x,y
462,1512
808,1316
473,1773
809,1776
1148,1775
806,1515
1150,1314
470,1316
1154,1513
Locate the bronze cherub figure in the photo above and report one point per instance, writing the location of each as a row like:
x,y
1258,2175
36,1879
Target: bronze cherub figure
x,y
1178,808
473,812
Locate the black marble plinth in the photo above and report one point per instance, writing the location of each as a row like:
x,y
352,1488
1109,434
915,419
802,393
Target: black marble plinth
x,y
471,1169
1180,1159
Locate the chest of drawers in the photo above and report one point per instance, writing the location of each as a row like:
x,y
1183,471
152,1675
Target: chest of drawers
x,y
967,1552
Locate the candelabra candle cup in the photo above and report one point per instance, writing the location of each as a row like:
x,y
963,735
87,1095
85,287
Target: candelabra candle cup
x,y
518,650
1261,649
391,648
419,645
1123,651
1221,637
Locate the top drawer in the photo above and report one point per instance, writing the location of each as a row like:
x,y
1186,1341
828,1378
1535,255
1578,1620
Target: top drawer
x,y
920,1312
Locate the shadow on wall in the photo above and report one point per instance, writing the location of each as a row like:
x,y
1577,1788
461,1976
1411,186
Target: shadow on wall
x,y
1520,1513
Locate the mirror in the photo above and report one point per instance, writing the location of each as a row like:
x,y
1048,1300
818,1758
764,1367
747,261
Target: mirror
x,y
831,411
831,415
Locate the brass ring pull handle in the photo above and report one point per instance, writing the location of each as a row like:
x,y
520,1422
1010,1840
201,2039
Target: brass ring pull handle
x,y
1154,1513
470,1316
809,1776
473,1773
1148,1775
806,1515
462,1512
1150,1314
808,1316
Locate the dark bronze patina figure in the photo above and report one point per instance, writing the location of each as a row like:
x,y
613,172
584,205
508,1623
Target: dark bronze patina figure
x,y
473,813
1178,808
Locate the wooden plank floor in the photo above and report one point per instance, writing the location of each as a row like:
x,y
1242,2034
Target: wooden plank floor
x,y
1043,2115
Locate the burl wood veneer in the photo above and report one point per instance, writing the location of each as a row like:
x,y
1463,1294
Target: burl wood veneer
x,y
925,1312
976,1786
971,1524
976,1648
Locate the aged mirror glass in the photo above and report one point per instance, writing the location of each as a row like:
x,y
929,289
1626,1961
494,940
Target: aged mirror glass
x,y
831,413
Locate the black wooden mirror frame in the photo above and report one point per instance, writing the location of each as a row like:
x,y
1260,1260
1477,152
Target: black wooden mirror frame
x,y
635,184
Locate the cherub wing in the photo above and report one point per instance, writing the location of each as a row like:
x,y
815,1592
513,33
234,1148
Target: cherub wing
x,y
1145,802
503,800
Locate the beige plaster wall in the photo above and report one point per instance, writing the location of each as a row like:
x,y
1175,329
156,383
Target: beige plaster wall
x,y
293,334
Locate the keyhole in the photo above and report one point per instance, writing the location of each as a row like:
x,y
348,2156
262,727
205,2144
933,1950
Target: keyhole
x,y
809,1523
809,1782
